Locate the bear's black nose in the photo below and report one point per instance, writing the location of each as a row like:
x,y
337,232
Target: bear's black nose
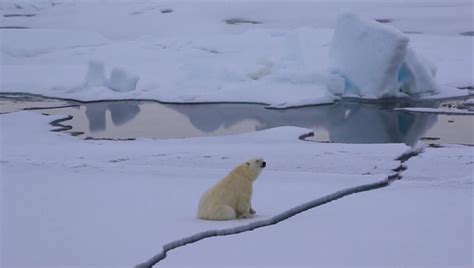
x,y
264,164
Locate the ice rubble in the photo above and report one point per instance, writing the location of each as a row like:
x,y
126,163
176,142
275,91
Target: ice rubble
x,y
120,79
95,75
377,61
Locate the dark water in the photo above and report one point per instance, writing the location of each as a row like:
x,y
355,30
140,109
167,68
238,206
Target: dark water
x,y
344,122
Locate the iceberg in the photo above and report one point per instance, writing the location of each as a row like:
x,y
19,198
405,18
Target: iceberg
x,y
376,60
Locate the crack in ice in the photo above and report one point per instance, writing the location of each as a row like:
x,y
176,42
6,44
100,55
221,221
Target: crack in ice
x,y
414,151
267,222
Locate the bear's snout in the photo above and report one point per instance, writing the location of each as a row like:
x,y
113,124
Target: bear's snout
x,y
264,164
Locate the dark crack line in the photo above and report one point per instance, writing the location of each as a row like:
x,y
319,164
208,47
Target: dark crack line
x,y
58,123
64,128
108,139
414,151
306,135
439,112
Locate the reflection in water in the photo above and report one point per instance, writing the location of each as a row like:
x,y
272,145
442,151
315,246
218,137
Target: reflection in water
x,y
369,124
343,122
96,117
209,118
120,112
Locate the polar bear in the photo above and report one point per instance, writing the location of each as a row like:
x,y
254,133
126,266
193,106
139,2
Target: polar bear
x,y
230,198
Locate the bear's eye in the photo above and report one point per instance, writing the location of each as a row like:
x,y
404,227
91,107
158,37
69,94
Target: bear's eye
x,y
258,161
248,164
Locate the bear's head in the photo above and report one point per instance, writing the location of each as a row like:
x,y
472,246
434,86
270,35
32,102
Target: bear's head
x,y
253,167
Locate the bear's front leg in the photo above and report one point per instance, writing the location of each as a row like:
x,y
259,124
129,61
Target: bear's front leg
x,y
252,211
244,210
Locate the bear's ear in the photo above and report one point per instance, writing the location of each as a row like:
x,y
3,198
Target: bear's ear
x,y
248,164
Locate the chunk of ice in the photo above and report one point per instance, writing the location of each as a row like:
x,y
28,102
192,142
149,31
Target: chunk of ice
x,y
368,54
377,61
121,80
417,75
95,74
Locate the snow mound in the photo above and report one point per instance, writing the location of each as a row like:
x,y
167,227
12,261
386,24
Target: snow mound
x,y
376,60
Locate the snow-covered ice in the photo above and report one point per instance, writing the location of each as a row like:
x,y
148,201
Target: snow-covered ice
x,y
26,44
192,55
117,202
423,220
98,203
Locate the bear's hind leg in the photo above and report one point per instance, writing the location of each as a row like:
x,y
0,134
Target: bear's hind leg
x,y
225,213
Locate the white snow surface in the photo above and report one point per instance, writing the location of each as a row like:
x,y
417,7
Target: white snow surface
x,y
190,54
423,220
30,44
72,202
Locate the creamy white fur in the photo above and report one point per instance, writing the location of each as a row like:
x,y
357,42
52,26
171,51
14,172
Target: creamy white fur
x,y
231,197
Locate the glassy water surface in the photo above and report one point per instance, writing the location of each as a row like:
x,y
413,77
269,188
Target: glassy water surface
x,y
344,122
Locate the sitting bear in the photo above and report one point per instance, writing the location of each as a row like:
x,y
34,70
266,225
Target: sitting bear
x,y
230,197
